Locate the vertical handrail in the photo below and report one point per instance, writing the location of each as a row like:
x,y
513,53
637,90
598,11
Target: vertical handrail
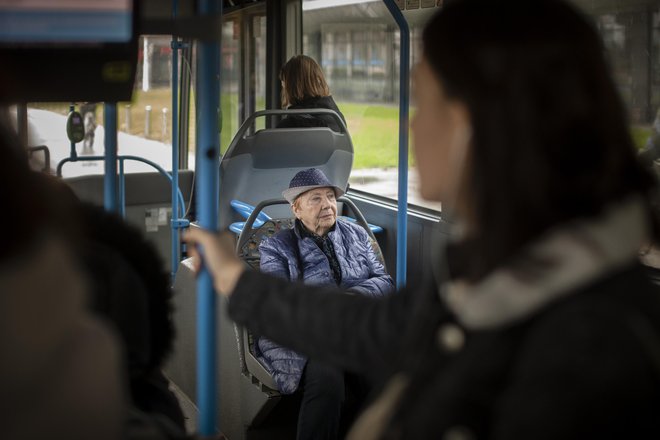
x,y
404,104
176,246
122,189
207,177
110,133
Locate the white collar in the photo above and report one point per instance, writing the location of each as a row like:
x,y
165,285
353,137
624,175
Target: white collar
x,y
565,259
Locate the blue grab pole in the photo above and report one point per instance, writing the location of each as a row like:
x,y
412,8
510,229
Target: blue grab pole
x,y
404,104
207,181
175,149
110,201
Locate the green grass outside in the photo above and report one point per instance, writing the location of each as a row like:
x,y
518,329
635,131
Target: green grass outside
x,y
374,130
373,127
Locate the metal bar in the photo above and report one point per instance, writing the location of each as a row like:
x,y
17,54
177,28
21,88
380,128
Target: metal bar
x,y
122,189
61,163
22,122
154,165
404,103
176,246
110,130
208,180
184,102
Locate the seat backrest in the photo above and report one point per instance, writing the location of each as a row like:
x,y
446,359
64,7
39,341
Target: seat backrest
x,y
148,202
247,248
259,166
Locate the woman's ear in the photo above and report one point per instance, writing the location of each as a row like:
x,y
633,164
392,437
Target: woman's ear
x,y
294,209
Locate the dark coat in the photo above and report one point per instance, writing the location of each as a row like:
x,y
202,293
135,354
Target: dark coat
x,y
283,255
585,366
313,120
130,288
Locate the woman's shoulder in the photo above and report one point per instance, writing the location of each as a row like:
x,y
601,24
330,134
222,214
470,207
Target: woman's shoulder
x,y
281,240
348,227
608,312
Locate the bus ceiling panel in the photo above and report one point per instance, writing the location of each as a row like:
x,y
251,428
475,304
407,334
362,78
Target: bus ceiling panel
x,y
156,19
206,28
60,52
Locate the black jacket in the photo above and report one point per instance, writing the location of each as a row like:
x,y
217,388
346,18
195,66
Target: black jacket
x,y
313,120
585,366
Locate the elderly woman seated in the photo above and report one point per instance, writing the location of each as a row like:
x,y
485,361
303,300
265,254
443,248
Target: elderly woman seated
x,y
320,250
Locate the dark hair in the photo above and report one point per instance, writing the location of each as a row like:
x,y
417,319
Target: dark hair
x,y
550,140
34,204
15,187
303,79
131,251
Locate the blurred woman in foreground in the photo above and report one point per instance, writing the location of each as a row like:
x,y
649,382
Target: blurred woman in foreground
x,y
539,322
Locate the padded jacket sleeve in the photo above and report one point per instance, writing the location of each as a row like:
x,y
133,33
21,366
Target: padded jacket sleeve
x,y
351,331
273,261
379,282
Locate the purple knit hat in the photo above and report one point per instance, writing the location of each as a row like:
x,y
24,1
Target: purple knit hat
x,y
307,180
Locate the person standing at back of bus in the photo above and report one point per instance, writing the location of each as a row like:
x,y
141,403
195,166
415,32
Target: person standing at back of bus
x,y
538,321
304,87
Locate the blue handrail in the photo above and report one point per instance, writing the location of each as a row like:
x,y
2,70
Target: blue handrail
x,y
207,176
122,185
176,219
404,104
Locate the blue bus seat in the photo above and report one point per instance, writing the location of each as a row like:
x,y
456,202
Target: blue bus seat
x,y
247,249
259,165
245,210
251,236
374,228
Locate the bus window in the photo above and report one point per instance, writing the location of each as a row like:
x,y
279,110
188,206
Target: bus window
x,y
243,69
144,124
631,34
357,45
230,61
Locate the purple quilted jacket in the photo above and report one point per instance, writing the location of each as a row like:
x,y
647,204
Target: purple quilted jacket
x,y
288,256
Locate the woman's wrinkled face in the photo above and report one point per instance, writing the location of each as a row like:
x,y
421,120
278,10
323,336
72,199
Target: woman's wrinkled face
x,y
317,209
441,134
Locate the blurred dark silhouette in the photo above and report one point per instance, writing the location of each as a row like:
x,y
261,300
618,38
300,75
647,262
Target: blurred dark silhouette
x,y
60,371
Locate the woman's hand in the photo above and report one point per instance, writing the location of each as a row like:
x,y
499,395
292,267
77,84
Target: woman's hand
x,y
217,255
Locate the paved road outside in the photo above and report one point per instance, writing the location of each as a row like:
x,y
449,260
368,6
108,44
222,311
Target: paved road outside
x,y
48,128
384,182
